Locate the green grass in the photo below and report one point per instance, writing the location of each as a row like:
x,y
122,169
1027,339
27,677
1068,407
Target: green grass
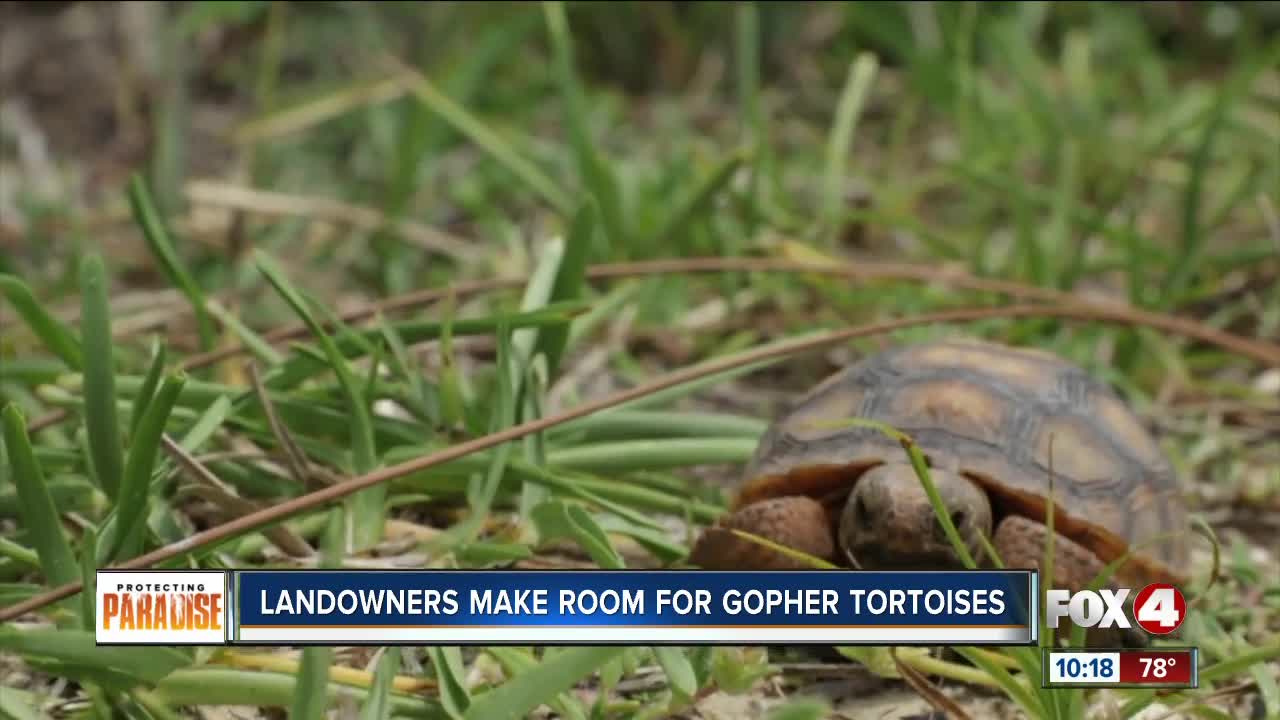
x,y
1089,148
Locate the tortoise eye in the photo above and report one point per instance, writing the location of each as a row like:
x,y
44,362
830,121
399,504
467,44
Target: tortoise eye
x,y
958,518
861,513
939,533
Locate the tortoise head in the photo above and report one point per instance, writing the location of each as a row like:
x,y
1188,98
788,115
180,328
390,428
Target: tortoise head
x,y
888,523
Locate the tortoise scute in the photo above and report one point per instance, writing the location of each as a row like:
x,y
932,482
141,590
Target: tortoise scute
x,y
1023,369
989,412
963,407
1073,447
1128,433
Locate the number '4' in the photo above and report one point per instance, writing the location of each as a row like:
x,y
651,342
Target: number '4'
x,y
1159,607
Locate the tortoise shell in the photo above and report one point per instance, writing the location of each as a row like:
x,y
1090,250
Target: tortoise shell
x,y
1014,421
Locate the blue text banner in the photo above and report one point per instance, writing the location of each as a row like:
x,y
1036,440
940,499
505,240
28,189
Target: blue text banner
x,y
633,607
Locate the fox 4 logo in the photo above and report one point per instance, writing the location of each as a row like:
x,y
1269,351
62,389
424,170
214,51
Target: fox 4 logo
x,y
1158,608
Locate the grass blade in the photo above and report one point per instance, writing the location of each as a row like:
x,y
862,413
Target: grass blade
x,y
69,495
559,276
4,462
210,420
517,662
524,692
555,519
482,488
212,685
378,704
1192,240
368,507
634,455
316,110
89,576
1007,682
1267,689
132,507
101,419
1230,666
641,498
678,669
451,676
569,283
77,655
861,72
10,550
537,474
309,697
309,701
148,389
535,444
504,412
20,705
57,337
453,388
1069,257
358,344
700,198
747,63
537,294
638,424
39,515
489,141
153,230
599,179
260,348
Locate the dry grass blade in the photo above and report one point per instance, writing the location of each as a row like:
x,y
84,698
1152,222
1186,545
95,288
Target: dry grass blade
x,y
48,420
340,674
263,202
679,377
294,457
309,114
926,689
214,490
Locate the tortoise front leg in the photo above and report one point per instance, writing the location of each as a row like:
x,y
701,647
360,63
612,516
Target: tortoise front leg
x,y
1021,542
796,522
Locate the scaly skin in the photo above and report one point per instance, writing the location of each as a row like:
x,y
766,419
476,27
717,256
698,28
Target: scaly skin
x,y
797,522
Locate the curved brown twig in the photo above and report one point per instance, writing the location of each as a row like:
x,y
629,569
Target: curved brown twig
x,y
329,494
867,271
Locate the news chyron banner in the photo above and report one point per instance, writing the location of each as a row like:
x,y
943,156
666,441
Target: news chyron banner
x,y
564,607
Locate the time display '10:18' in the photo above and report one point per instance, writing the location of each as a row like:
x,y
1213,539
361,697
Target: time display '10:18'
x,y
1091,666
